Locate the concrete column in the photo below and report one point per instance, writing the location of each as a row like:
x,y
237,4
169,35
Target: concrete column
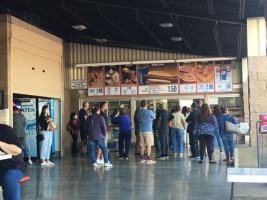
x,y
257,72
5,64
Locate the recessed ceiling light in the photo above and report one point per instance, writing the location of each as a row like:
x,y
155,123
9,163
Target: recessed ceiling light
x,y
166,25
176,39
79,27
101,40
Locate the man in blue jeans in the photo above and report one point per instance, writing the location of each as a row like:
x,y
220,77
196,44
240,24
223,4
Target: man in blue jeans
x,y
11,170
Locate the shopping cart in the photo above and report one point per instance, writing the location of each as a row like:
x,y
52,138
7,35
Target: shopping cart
x,y
113,138
261,146
242,137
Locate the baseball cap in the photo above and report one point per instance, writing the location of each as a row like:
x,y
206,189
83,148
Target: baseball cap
x,y
194,105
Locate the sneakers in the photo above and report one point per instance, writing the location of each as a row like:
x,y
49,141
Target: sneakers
x,y
197,157
126,158
175,154
221,152
50,163
180,155
45,164
150,161
212,161
30,162
226,160
108,164
94,164
100,161
166,157
121,158
161,157
142,160
201,161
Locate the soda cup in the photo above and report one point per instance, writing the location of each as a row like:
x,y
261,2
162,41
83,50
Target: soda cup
x,y
229,71
142,71
223,74
217,73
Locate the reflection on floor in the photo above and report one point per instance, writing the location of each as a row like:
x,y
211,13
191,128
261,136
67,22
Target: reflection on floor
x,y
176,178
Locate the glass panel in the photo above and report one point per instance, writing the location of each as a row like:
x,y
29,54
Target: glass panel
x,y
127,106
162,101
233,104
112,105
172,103
150,105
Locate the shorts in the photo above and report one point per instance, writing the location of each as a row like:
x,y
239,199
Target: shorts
x,y
82,133
146,138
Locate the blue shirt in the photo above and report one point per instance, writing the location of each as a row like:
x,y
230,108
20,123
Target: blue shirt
x,y
210,127
145,118
123,121
221,121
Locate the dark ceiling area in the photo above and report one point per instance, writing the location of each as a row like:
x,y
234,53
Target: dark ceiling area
x,y
202,27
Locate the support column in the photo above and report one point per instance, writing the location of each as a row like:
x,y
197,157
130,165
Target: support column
x,y
257,72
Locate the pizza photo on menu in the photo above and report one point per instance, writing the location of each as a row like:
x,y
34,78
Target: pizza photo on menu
x,y
205,73
187,73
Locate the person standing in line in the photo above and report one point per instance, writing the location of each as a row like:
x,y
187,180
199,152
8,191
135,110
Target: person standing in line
x,y
193,140
74,131
199,104
227,138
217,112
145,118
19,126
95,128
178,124
46,144
186,113
206,127
164,116
125,133
103,110
116,130
136,131
11,170
82,118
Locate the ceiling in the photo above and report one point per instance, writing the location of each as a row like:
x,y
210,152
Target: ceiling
x,y
206,27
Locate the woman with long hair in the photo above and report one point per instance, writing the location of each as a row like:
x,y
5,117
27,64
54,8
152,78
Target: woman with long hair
x,y
206,128
217,112
74,130
46,144
227,138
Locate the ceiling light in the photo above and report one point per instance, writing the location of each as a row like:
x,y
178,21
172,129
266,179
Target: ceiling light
x,y
166,25
101,40
79,27
176,39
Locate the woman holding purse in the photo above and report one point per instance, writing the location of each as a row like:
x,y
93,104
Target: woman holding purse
x,y
227,138
46,144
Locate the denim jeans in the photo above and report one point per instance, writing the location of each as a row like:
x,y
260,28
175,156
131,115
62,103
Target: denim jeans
x,y
46,145
25,142
177,137
102,145
125,142
219,140
228,143
9,180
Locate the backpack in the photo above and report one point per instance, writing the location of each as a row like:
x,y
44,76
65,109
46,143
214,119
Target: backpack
x,y
69,127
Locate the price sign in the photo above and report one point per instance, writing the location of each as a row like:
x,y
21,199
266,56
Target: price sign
x,y
95,92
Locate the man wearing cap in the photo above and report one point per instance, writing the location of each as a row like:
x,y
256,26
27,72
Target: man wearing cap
x,y
191,120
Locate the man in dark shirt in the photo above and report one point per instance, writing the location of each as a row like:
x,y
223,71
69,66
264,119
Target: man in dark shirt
x,y
193,141
103,110
136,127
82,118
11,170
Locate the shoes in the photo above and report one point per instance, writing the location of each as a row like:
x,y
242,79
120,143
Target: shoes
x,y
212,161
180,155
30,162
161,157
226,160
100,161
197,157
120,158
126,158
175,154
50,163
166,157
94,164
201,161
45,164
231,159
142,160
108,164
150,161
191,156
221,152
137,154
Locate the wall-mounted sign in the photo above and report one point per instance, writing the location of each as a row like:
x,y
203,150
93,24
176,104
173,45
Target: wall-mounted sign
x,y
128,80
95,81
187,72
223,78
205,77
112,80
79,84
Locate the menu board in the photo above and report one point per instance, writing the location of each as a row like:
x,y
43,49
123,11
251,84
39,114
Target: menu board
x,y
188,79
223,77
95,81
205,77
128,80
112,80
158,78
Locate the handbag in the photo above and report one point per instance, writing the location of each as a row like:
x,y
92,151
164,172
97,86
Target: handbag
x,y
40,137
52,126
230,127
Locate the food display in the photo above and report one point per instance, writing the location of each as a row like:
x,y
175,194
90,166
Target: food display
x,y
205,73
187,73
95,77
128,74
112,76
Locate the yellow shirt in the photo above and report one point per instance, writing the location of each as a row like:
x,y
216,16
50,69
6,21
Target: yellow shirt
x,y
177,121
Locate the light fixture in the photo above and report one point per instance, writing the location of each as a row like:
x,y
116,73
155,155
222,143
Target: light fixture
x,y
101,40
79,27
166,25
176,39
